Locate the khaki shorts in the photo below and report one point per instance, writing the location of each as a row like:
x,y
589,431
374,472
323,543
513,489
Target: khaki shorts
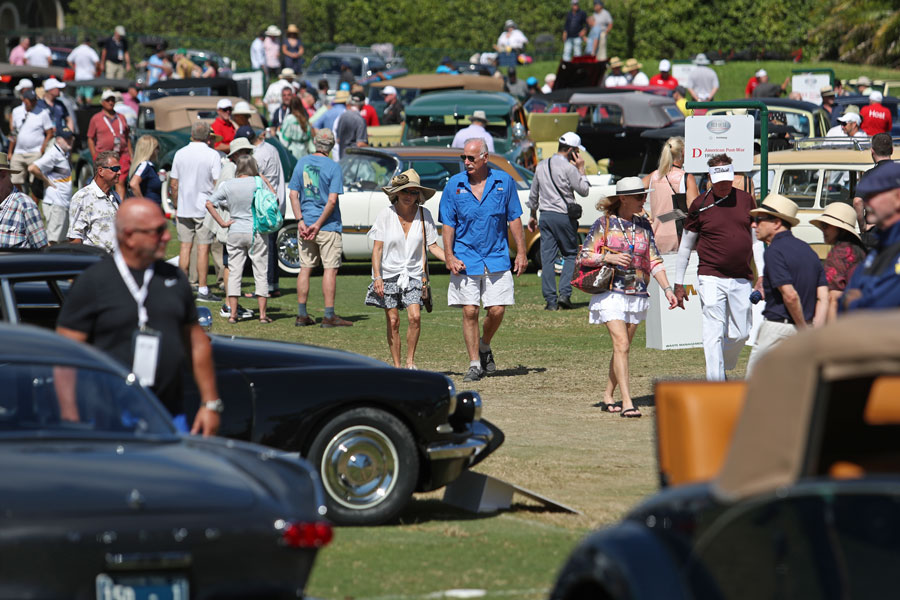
x,y
191,230
57,218
21,162
115,71
327,249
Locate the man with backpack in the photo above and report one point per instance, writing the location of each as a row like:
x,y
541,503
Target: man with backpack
x,y
314,188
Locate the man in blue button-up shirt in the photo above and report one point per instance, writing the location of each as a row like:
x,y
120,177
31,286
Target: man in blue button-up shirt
x,y
475,209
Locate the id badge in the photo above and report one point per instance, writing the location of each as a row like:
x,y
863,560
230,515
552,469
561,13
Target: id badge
x,y
146,355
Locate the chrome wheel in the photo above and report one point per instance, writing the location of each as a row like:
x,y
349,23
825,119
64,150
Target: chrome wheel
x,y
288,248
359,467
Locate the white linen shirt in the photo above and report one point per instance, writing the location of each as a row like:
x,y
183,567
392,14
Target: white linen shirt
x,y
196,167
402,255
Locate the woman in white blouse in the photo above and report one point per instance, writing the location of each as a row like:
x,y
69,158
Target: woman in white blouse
x,y
398,256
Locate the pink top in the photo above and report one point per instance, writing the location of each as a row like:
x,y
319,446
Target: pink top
x,y
273,52
17,56
665,234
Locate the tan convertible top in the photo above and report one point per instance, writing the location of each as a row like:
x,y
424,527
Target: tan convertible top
x,y
444,82
180,112
773,431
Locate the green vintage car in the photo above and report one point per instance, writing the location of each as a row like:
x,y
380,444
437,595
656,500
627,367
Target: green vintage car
x,y
433,120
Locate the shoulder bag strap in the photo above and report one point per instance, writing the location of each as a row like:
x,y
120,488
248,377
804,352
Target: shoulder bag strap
x,y
558,191
424,247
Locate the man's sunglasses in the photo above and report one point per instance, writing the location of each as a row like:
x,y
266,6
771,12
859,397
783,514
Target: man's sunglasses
x,y
158,231
229,109
469,157
114,169
758,220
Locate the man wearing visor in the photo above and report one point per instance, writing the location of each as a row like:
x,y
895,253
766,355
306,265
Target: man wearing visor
x,y
718,225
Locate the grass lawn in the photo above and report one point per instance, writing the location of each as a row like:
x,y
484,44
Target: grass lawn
x,y
551,371
733,76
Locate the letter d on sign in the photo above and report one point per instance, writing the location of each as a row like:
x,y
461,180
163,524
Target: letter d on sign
x,y
696,153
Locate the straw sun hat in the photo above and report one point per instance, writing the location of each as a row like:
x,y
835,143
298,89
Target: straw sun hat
x,y
408,180
840,215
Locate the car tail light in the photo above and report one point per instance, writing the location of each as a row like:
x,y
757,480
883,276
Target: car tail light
x,y
307,535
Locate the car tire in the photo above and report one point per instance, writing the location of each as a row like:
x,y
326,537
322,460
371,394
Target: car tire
x,y
287,247
369,465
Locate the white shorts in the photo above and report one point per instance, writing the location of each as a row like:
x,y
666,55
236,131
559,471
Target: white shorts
x,y
490,289
613,306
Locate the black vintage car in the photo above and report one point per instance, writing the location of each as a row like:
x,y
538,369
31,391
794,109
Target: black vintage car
x,y
374,433
101,498
787,486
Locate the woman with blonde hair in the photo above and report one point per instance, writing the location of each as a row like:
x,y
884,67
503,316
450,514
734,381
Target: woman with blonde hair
x,y
672,189
400,234
624,239
296,131
143,179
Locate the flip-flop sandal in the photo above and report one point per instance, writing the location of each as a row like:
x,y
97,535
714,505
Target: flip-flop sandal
x,y
265,320
232,320
631,413
613,407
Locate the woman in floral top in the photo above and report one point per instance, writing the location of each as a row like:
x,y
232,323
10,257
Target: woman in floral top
x,y
838,225
628,241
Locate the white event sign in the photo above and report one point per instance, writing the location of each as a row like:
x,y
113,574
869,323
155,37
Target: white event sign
x,y
256,82
809,86
676,328
708,135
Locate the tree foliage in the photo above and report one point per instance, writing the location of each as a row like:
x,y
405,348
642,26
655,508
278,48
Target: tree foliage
x,y
859,31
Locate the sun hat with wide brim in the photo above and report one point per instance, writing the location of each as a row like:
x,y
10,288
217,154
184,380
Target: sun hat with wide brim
x,y
627,186
239,144
840,215
293,29
777,205
287,73
614,62
273,31
408,179
632,65
4,164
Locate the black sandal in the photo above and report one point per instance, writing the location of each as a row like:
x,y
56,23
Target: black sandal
x,y
612,407
631,413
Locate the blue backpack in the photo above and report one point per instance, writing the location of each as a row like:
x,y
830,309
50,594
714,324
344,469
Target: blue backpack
x,y
267,217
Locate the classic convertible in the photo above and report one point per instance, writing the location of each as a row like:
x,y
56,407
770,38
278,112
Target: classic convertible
x,y
786,487
374,433
109,502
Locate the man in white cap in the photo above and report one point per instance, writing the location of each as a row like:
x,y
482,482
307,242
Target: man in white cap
x,y
477,129
393,111
223,126
753,82
850,123
31,133
18,112
58,111
875,117
664,77
85,61
549,80
556,179
114,55
719,226
767,89
794,284
703,83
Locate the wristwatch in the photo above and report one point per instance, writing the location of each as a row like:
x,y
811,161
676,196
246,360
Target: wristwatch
x,y
215,405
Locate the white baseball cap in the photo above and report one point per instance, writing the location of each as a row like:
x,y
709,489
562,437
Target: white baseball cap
x,y
761,73
224,103
120,30
850,116
389,89
23,84
108,94
53,84
876,97
665,66
571,139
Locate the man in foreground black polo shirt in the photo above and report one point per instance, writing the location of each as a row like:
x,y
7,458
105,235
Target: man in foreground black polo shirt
x,y
794,284
140,310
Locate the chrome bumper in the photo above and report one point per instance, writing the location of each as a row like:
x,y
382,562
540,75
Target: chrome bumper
x,y
472,446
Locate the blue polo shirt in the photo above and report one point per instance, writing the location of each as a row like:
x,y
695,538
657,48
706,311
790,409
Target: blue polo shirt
x,y
315,177
481,241
791,261
879,290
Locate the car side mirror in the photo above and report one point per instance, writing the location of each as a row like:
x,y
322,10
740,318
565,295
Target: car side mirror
x,y
204,318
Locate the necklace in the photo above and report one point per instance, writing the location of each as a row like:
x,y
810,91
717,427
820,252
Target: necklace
x,y
625,233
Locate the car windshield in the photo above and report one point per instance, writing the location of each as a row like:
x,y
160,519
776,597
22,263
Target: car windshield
x,y
446,126
367,171
76,401
332,64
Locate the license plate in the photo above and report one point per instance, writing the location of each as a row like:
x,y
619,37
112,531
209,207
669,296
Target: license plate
x,y
142,587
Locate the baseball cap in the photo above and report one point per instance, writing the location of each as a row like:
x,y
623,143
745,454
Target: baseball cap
x,y
882,179
23,84
324,136
571,139
107,94
532,81
120,30
53,84
847,117
665,66
761,73
224,103
389,89
65,133
244,131
29,94
876,97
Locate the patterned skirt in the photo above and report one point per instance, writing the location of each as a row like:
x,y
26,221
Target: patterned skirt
x,y
394,297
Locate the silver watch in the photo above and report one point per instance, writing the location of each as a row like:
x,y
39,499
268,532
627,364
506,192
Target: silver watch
x,y
216,405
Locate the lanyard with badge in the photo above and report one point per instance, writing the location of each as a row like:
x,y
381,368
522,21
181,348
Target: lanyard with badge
x,y
145,342
117,139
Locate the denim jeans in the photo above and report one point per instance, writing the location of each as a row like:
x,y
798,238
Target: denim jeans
x,y
571,47
559,234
